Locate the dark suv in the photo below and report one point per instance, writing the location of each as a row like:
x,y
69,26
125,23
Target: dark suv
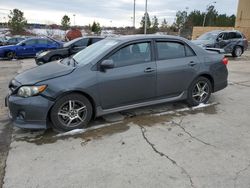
x,y
233,42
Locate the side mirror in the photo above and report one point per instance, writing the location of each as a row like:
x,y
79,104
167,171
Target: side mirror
x,y
23,44
107,64
219,39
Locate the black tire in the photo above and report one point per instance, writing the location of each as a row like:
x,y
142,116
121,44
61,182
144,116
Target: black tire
x,y
237,52
62,106
55,57
196,97
10,55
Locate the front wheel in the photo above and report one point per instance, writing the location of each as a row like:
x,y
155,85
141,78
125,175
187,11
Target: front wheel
x,y
70,112
199,91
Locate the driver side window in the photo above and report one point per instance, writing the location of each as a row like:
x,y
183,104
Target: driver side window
x,y
132,54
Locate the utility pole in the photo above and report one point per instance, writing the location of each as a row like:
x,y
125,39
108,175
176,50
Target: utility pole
x,y
146,17
134,16
74,19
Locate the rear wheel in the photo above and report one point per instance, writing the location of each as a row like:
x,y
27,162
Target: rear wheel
x,y
55,57
199,91
237,52
70,112
10,55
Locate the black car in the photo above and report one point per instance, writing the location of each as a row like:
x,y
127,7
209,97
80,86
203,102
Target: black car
x,y
233,42
68,49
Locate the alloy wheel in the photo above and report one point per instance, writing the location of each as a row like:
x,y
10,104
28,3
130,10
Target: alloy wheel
x,y
72,113
200,91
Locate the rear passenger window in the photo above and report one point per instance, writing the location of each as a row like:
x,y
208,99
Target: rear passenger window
x,y
170,50
238,35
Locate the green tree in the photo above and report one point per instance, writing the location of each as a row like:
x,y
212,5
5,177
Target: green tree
x,y
143,21
181,18
65,22
96,28
164,24
17,21
155,24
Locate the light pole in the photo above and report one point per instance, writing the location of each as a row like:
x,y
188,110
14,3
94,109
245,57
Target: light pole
x,y
146,17
134,16
74,19
204,21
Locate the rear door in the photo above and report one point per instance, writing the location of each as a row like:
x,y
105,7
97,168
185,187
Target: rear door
x,y
42,45
177,66
132,80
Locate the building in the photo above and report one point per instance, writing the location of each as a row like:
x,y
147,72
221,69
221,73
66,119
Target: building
x,y
243,14
243,18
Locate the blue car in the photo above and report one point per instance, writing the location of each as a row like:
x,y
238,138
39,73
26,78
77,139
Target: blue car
x,y
28,48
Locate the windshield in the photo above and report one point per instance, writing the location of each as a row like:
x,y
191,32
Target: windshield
x,y
208,36
67,44
91,52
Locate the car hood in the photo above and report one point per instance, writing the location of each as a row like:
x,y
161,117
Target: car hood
x,y
43,72
202,42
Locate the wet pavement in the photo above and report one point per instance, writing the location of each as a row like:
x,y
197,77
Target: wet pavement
x,y
167,145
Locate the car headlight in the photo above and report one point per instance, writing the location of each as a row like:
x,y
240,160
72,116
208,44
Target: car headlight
x,y
28,91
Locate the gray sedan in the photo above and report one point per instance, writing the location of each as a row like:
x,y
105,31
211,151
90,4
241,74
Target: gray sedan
x,y
112,75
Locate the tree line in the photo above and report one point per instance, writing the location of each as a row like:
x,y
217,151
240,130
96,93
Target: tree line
x,y
184,22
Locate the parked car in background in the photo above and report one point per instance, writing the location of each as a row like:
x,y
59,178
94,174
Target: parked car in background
x,y
112,75
68,49
233,42
28,48
2,40
14,40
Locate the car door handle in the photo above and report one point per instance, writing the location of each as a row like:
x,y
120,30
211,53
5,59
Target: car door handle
x,y
192,63
149,69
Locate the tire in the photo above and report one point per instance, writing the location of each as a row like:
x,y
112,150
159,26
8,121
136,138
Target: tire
x,y
10,55
64,119
40,63
237,52
197,96
55,57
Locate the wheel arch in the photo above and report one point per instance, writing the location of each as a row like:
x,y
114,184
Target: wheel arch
x,y
209,77
91,100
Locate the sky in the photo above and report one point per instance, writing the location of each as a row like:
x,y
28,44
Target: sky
x,y
107,12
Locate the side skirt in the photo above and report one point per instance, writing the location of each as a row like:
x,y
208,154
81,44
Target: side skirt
x,y
101,112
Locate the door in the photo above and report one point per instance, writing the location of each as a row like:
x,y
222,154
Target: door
x,y
132,80
177,66
27,48
223,41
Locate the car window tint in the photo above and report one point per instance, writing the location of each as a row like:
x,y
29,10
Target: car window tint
x,y
94,40
42,41
238,35
132,54
232,35
189,51
12,40
82,42
225,36
30,42
170,50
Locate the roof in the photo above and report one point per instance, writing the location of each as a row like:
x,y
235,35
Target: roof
x,y
141,36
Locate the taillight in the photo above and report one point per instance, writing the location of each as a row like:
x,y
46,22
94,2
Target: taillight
x,y
225,61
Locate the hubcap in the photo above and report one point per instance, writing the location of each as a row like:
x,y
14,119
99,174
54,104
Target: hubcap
x,y
72,113
238,52
200,91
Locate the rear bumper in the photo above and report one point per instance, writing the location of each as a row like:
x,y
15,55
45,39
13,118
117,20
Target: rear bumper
x,y
29,113
220,86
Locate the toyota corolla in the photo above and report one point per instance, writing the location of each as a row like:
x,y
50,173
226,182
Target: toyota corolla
x,y
113,75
